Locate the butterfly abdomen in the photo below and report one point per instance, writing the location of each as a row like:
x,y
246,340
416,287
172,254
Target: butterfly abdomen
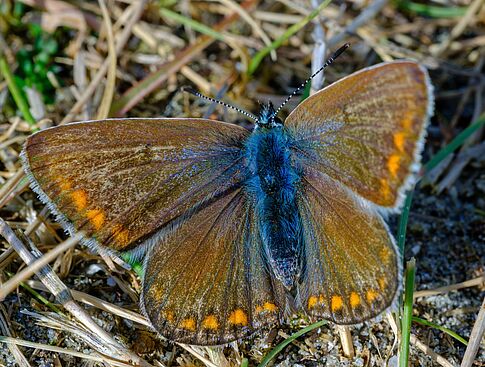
x,y
273,185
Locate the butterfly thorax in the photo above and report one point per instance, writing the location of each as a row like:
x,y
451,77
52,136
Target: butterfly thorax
x,y
273,185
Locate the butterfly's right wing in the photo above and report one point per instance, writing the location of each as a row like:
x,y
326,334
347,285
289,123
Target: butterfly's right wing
x,y
206,283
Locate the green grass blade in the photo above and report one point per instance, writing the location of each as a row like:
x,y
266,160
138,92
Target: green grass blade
x,y
245,362
451,333
191,23
432,11
17,95
38,296
256,60
407,313
290,339
454,144
432,163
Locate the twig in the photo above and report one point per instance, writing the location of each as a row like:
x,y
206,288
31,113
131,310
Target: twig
x,y
319,52
40,346
430,352
36,265
468,283
111,77
475,338
459,27
62,294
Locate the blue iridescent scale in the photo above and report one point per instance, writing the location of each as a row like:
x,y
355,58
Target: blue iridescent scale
x,y
274,184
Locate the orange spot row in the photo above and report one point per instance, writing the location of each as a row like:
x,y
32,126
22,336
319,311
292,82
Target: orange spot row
x,y
237,317
96,217
337,302
354,300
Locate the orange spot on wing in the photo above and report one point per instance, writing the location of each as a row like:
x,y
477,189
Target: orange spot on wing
x,y
382,283
188,324
271,307
238,317
169,315
354,300
80,199
312,301
385,190
399,141
210,322
121,235
385,254
336,303
371,296
96,217
393,164
407,121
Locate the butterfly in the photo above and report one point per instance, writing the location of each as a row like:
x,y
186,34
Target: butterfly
x,y
238,228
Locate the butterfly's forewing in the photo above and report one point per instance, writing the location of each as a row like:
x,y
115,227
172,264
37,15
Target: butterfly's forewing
x,y
206,283
353,264
366,130
122,180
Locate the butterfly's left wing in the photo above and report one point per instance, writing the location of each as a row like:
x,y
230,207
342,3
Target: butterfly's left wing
x,y
366,130
206,282
352,261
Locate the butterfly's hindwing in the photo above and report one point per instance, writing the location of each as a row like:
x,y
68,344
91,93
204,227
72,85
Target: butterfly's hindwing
x,y
353,263
206,282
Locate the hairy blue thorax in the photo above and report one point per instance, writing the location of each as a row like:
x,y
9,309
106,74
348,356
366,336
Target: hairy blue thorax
x,y
273,185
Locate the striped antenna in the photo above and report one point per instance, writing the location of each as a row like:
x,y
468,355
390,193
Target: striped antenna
x,y
330,60
200,95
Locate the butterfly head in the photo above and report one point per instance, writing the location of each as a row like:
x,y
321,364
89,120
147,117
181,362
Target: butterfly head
x,y
267,117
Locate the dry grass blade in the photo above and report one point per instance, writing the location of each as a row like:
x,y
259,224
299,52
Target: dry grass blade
x,y
98,303
40,346
34,267
247,17
476,338
58,289
476,282
122,40
473,8
430,352
111,77
5,330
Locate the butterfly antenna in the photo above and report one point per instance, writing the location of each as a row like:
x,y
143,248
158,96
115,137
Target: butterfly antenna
x,y
329,61
200,95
